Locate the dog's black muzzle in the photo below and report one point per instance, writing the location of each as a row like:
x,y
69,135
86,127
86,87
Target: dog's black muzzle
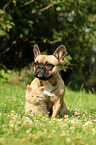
x,y
42,73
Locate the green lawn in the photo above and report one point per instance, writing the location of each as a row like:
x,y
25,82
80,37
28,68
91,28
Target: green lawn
x,y
76,128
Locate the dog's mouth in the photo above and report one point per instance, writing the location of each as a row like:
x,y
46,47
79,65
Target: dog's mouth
x,y
42,73
39,74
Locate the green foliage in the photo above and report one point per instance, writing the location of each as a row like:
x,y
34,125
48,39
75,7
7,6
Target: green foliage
x,y
4,75
67,63
6,23
86,76
21,77
49,24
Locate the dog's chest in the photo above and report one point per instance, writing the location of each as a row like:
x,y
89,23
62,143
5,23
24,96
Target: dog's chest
x,y
49,92
47,88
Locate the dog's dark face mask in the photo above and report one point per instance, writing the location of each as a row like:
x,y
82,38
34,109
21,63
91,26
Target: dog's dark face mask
x,y
43,71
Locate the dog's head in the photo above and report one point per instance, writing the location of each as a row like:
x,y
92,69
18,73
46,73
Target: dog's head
x,y
45,66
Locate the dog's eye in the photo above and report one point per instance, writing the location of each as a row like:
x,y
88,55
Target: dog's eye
x,y
36,63
49,65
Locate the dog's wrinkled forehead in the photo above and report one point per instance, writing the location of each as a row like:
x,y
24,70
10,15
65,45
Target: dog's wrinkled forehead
x,y
47,58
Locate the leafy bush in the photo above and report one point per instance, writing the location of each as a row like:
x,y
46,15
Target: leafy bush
x,y
22,77
49,24
4,75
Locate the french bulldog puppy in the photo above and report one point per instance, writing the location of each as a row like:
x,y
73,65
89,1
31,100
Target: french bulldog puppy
x,y
35,101
47,75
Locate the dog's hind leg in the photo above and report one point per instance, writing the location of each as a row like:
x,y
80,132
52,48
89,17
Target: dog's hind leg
x,y
63,109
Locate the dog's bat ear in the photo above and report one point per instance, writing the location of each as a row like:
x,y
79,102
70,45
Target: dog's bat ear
x,y
29,89
36,51
60,53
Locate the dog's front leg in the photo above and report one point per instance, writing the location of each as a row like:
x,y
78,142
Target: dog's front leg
x,y
56,108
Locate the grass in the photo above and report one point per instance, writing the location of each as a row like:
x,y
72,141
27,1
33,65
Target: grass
x,y
76,128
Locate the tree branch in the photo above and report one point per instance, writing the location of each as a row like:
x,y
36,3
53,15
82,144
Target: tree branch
x,y
50,5
9,48
47,7
27,3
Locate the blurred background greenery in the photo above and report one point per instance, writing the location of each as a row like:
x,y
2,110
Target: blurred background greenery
x,y
49,24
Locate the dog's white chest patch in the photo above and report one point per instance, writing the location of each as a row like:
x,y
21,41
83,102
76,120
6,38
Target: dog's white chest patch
x,y
46,93
47,88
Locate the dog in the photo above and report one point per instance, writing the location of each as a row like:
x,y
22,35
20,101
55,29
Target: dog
x,y
47,75
35,101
